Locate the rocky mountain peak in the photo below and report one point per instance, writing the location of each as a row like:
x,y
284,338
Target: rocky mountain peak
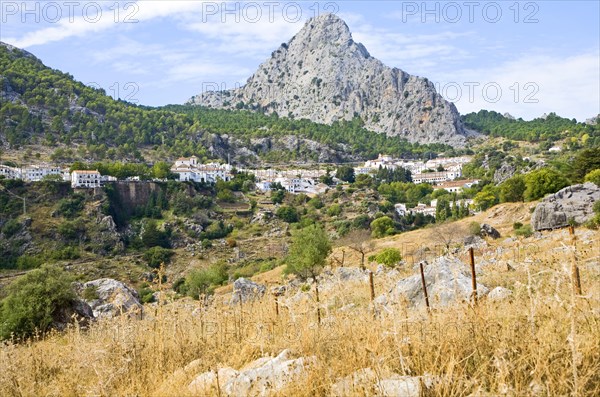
x,y
18,50
325,30
323,75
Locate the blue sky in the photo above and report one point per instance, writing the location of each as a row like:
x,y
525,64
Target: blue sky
x,y
526,58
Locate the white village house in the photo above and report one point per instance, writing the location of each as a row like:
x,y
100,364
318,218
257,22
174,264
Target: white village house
x,y
85,179
190,169
89,179
35,173
10,172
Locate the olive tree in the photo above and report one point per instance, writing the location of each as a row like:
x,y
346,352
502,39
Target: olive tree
x,y
308,254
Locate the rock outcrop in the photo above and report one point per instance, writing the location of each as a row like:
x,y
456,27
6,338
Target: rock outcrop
x,y
109,298
447,282
262,377
323,75
573,203
245,290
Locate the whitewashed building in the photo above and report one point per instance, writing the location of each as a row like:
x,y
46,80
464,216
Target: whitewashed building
x,y
191,170
85,179
10,172
456,186
35,173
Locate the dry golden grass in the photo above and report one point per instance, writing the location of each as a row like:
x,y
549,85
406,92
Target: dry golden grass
x,y
544,341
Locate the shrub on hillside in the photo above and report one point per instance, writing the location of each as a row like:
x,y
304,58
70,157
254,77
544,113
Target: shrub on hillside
x,y
287,214
542,182
593,176
33,300
389,257
204,281
524,230
11,228
382,226
156,256
474,229
70,207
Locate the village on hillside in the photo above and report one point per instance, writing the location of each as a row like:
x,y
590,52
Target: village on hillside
x,y
441,173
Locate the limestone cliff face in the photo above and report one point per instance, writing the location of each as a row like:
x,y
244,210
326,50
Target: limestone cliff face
x,y
321,74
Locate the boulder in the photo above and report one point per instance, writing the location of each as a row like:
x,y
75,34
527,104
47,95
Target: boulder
x,y
499,294
573,203
78,311
489,231
474,242
448,280
262,377
366,382
245,290
112,298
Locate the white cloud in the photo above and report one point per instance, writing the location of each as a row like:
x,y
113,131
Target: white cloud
x,y
530,86
75,24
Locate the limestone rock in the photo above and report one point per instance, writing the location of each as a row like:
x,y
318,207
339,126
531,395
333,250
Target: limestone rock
x,y
474,242
499,294
447,281
113,298
366,382
506,171
323,75
262,377
78,310
571,203
489,231
246,290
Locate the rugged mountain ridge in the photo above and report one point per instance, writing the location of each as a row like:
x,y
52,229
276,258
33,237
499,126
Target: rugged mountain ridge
x,y
44,106
323,75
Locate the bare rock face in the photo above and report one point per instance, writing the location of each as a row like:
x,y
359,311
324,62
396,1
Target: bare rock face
x,y
321,74
447,282
245,290
571,203
111,298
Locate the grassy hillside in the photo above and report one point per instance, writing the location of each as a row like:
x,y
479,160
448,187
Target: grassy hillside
x,y
542,341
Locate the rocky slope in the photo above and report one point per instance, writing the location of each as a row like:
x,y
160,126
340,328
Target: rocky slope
x,y
321,74
573,203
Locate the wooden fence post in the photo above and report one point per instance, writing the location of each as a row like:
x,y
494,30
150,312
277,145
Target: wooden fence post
x,y
318,304
473,277
372,286
424,285
576,280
